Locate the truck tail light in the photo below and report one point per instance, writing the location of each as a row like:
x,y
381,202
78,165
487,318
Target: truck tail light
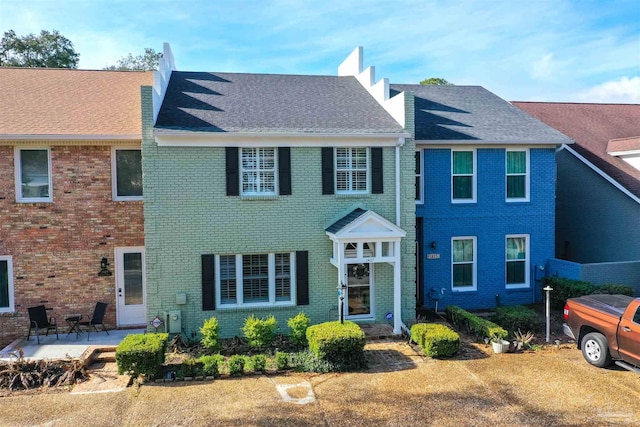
x,y
565,313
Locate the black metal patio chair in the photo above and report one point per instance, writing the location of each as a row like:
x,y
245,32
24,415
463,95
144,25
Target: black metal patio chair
x,y
38,320
96,319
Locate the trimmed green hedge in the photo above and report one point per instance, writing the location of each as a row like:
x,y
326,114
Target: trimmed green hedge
x,y
516,317
563,289
141,354
613,289
342,345
436,340
474,325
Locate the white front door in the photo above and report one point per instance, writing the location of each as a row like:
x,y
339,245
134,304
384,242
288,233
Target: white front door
x,y
130,286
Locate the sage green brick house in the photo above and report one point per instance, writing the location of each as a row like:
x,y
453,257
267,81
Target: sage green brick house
x,y
273,194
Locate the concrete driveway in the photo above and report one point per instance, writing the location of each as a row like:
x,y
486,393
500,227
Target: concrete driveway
x,y
555,387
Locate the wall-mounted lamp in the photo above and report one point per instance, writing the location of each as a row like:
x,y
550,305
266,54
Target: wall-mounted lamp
x,y
433,244
104,267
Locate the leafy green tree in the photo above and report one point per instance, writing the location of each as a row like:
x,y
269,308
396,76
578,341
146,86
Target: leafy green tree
x,y
47,50
145,62
438,81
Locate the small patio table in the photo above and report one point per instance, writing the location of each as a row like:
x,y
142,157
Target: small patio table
x,y
74,324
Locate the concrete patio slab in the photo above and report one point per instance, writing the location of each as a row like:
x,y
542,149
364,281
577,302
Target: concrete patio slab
x,y
67,346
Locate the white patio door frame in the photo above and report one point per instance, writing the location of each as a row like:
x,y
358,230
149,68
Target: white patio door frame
x,y
129,314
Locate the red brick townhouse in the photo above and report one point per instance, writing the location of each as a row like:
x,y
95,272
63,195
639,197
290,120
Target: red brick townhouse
x,y
71,194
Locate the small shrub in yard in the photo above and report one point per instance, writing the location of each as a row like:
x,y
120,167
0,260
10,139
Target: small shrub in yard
x,y
209,332
307,361
342,345
564,289
236,365
299,324
436,340
282,360
260,332
192,367
211,364
516,317
259,362
474,325
141,354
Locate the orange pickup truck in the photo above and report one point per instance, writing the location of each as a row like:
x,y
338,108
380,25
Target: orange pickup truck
x,y
606,328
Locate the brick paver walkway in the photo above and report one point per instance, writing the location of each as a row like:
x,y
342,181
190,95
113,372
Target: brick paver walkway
x,y
391,354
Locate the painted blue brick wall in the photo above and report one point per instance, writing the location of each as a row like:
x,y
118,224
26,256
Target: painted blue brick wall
x,y
490,219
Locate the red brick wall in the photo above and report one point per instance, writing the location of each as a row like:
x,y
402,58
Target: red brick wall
x,y
57,247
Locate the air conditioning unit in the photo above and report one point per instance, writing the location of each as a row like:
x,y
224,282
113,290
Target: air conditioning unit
x,y
174,320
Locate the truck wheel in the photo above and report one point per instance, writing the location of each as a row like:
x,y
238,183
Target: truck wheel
x,y
595,349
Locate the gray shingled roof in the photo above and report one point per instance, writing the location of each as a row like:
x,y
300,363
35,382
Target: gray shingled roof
x,y
234,102
345,220
473,114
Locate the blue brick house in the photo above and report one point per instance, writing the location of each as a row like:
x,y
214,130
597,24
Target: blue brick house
x,y
485,198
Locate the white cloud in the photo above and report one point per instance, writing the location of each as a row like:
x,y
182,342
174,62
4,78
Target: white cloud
x,y
542,69
623,91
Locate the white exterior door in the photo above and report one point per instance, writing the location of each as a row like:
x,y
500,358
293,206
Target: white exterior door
x,y
130,286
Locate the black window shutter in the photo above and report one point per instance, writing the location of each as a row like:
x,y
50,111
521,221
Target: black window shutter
x,y
208,282
376,170
233,176
302,277
284,170
327,170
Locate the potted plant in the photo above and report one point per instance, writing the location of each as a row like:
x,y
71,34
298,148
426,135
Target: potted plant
x,y
499,344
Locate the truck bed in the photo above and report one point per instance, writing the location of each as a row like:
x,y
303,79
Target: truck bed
x,y
609,304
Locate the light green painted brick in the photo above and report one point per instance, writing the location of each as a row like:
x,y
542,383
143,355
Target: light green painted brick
x,y
190,215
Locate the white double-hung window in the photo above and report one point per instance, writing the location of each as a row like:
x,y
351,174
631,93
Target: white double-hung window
x,y
258,171
352,164
517,260
463,176
419,179
517,175
255,279
126,173
463,263
33,174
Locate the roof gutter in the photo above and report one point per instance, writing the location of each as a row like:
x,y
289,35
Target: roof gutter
x,y
69,137
489,142
271,139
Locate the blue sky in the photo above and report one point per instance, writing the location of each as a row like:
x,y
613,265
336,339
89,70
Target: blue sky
x,y
524,50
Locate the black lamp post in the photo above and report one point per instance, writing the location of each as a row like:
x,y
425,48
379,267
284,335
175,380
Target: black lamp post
x,y
342,288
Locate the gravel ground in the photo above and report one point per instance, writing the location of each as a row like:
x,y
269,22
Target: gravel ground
x,y
552,387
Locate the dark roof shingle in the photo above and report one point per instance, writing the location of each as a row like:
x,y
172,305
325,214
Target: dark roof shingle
x,y
472,113
271,103
345,220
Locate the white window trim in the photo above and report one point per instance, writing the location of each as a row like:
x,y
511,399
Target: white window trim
x,y
272,283
474,183
18,176
276,190
526,179
11,307
114,176
526,283
474,267
420,175
335,172
372,300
